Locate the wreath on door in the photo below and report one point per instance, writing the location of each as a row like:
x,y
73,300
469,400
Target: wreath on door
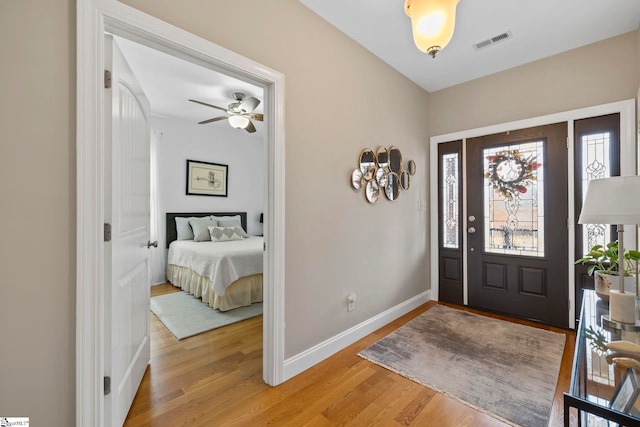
x,y
510,172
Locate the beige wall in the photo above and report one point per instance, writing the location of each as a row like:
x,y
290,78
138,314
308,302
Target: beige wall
x,y
596,74
37,214
339,100
638,102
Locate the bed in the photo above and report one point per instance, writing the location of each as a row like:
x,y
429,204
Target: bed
x,y
224,274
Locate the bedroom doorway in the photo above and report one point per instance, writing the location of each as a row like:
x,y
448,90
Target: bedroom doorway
x,y
94,19
188,266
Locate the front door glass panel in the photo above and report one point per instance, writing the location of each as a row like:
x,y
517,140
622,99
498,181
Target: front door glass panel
x,y
514,199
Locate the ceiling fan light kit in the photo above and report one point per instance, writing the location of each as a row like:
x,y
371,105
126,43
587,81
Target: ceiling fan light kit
x,y
238,122
239,113
432,22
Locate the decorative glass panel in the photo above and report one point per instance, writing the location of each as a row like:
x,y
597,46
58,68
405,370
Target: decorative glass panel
x,y
514,199
450,202
595,150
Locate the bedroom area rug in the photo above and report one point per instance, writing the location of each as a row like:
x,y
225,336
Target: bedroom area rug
x,y
186,316
506,370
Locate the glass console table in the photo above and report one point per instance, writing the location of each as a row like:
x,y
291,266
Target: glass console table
x,y
594,382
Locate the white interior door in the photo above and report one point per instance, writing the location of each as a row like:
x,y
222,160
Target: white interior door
x,y
127,206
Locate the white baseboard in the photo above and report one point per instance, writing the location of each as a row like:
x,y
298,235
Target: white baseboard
x,y
316,354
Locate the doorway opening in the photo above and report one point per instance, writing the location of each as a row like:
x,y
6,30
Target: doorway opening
x,y
118,19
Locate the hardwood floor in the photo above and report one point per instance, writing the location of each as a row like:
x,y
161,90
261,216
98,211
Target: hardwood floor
x,y
215,379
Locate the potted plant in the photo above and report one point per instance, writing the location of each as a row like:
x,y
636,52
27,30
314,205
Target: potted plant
x,y
604,263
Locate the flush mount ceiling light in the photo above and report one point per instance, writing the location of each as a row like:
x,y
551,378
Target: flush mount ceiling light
x,y
432,22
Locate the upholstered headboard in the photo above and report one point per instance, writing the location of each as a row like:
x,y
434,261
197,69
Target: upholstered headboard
x,y
172,234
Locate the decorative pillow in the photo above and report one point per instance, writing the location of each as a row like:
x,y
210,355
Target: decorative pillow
x,y
200,230
183,228
229,221
223,234
232,223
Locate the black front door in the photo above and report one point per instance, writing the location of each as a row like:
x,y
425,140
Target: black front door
x,y
517,209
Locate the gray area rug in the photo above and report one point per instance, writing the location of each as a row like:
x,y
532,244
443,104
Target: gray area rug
x,y
186,316
506,370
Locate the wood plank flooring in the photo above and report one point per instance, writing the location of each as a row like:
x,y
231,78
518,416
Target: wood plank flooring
x,y
215,379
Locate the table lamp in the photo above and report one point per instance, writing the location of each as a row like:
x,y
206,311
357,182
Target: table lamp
x,y
615,200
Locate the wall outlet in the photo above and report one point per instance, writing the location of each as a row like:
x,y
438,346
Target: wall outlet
x,y
351,301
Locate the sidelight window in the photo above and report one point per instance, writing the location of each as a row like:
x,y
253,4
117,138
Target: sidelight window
x,y
450,181
595,149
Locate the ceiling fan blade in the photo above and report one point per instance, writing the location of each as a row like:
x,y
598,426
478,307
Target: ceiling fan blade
x,y
255,116
208,105
215,119
249,104
250,127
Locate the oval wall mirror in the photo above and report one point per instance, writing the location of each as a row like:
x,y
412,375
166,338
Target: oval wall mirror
x,y
356,179
392,190
372,191
367,164
404,180
395,160
381,177
382,156
412,167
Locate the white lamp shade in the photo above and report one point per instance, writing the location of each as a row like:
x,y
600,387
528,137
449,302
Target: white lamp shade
x,y
433,22
614,200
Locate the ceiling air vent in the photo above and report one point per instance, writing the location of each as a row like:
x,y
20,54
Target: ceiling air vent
x,y
493,40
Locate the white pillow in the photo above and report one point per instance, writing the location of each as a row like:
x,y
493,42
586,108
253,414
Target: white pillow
x,y
224,234
200,230
183,228
229,221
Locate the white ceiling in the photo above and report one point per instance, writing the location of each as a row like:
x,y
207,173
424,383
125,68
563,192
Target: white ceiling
x,y
540,28
169,83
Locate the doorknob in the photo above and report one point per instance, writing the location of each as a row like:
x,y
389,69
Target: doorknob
x,y
154,244
471,230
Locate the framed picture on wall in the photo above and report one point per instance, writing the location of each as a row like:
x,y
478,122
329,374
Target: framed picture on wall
x,y
207,179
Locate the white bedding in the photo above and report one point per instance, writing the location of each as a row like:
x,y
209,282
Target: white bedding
x,y
222,262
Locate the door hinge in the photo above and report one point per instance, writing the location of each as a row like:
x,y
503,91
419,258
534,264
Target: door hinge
x,y
107,79
107,232
567,143
107,385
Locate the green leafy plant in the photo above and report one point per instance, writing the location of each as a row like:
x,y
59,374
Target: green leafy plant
x,y
605,259
598,340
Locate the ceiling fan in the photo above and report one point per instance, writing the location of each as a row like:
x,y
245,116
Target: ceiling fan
x,y
239,113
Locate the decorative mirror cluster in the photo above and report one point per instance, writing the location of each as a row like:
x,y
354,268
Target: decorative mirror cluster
x,y
382,171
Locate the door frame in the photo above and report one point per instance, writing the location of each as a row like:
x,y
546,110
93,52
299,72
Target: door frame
x,y
94,17
628,166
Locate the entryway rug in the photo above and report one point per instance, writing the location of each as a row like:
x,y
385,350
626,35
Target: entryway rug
x,y
186,316
504,369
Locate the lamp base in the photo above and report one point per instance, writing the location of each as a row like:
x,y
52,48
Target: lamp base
x,y
612,325
622,306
